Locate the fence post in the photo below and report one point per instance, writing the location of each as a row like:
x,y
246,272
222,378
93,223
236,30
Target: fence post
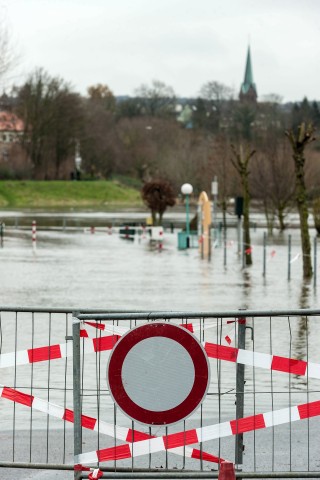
x,y
264,252
289,257
239,236
1,233
243,250
77,430
315,262
240,392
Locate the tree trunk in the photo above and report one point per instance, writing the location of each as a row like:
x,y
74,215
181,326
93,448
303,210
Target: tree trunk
x,y
269,217
301,199
241,163
298,142
154,217
281,217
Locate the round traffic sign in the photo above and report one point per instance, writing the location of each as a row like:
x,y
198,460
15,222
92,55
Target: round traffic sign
x,y
158,373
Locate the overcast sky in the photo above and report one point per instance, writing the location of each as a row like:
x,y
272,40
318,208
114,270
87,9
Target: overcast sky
x,y
184,43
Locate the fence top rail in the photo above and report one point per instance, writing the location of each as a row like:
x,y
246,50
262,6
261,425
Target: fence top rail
x,y
167,315
64,310
119,314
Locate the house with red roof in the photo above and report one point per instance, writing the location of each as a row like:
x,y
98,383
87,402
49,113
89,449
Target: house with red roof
x,y
14,161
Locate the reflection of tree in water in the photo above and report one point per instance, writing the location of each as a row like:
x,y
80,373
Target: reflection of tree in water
x,y
300,341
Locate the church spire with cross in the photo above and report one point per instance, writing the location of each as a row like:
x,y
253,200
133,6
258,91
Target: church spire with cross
x,y
248,90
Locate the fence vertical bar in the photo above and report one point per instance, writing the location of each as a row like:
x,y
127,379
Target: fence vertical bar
x,y
315,261
264,252
289,257
240,393
77,431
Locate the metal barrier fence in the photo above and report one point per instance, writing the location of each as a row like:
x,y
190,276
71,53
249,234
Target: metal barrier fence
x,y
261,410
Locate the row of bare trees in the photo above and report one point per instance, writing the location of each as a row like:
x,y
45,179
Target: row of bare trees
x,y
299,139
141,136
148,142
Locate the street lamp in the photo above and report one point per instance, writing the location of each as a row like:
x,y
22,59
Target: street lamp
x,y
186,190
214,192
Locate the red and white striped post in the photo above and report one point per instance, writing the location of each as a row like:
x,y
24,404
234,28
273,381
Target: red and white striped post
x,y
34,234
160,240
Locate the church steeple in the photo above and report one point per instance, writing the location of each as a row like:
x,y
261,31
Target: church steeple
x,y
248,91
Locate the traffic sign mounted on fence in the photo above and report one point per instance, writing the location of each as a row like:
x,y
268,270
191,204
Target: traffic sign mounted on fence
x,y
158,373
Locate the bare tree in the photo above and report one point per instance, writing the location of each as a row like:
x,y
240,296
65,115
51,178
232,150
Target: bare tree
x,y
99,141
101,94
216,95
52,115
9,56
158,195
216,92
240,162
299,140
273,181
158,99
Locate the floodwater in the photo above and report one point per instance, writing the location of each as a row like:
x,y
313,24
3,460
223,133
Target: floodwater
x,y
77,269
80,270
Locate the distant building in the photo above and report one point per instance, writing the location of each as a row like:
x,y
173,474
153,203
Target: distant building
x,y
14,161
248,90
11,127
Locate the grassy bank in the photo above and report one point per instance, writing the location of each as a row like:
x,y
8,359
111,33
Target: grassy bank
x,y
42,194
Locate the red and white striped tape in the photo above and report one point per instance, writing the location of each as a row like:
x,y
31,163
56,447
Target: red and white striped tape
x,y
53,352
203,434
34,234
91,423
220,352
89,333
262,360
194,327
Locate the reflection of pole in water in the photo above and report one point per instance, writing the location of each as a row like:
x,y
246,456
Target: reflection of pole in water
x,y
1,233
264,252
315,262
289,257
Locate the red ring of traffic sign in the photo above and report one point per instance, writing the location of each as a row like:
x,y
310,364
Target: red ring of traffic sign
x,y
126,387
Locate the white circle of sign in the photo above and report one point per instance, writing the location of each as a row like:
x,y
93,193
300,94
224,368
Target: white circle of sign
x,y
159,376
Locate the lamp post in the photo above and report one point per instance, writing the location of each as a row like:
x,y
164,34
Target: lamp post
x,y
186,190
214,192
77,162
